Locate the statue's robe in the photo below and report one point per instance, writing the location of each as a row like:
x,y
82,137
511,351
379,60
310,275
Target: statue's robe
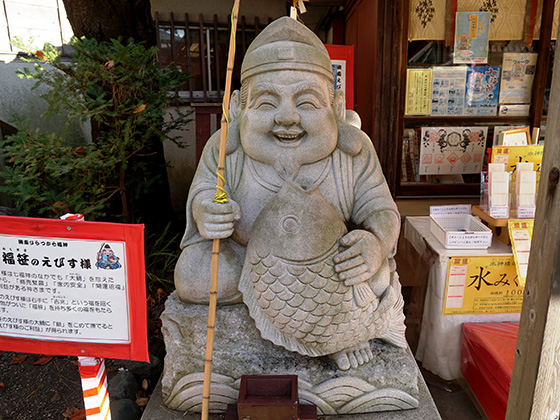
x,y
362,197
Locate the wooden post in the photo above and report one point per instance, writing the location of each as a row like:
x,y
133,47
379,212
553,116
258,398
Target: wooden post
x,y
535,388
202,53
543,62
216,242
188,57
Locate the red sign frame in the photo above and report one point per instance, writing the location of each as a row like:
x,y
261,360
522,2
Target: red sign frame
x,y
133,236
345,53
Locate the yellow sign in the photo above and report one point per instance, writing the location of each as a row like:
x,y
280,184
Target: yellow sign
x,y
482,285
474,24
521,232
511,155
418,92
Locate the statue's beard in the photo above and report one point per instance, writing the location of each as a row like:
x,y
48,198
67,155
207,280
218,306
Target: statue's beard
x,y
287,166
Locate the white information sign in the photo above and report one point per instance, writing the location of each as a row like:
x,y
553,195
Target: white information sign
x,y
339,71
499,212
526,212
63,289
451,209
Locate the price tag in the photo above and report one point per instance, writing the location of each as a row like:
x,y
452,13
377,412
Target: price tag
x,y
499,212
526,212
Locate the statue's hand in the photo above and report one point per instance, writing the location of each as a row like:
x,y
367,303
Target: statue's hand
x,y
359,257
214,220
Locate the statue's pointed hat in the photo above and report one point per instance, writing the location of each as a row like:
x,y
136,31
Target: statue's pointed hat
x,y
286,44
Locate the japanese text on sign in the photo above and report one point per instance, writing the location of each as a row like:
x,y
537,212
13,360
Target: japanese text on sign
x,y
478,285
521,233
63,289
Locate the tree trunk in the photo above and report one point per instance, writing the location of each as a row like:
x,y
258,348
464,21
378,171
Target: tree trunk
x,y
106,19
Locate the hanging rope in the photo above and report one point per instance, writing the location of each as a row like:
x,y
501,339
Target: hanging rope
x,y
221,195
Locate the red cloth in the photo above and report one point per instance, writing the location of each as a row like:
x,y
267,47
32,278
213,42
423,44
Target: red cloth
x,y
487,355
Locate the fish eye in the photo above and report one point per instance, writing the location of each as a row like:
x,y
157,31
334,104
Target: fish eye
x,y
291,224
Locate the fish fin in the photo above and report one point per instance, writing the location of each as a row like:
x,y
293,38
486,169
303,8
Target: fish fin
x,y
395,334
364,296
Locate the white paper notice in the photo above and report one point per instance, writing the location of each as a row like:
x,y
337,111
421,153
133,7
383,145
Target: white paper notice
x,y
526,212
456,286
522,241
499,212
63,289
448,90
451,209
452,150
339,71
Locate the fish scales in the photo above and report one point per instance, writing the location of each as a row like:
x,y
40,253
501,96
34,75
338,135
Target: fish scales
x,y
289,283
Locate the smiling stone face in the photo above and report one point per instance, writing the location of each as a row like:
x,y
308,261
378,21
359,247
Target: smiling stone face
x,y
288,115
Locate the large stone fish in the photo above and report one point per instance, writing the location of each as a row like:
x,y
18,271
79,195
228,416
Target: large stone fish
x,y
292,290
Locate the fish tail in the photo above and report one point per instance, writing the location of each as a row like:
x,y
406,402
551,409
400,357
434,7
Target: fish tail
x,y
364,296
395,332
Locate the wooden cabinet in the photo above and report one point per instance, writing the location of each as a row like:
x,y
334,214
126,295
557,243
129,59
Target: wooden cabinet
x,y
379,31
429,185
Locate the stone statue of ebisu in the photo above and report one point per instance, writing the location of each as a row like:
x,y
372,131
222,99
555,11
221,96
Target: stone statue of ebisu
x,y
310,229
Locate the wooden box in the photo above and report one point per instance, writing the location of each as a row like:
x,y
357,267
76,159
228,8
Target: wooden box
x,y
273,397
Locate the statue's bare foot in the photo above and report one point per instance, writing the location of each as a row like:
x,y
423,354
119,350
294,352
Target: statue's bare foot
x,y
353,357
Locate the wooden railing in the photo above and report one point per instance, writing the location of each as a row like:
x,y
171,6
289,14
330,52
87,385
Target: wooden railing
x,y
201,51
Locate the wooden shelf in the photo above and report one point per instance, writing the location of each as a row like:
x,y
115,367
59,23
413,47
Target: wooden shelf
x,y
395,142
477,211
463,120
428,189
499,227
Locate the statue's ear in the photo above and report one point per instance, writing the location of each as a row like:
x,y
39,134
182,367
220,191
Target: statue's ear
x,y
233,138
234,106
340,104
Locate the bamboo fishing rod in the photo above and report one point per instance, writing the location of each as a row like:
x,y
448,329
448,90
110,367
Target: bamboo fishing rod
x,y
220,197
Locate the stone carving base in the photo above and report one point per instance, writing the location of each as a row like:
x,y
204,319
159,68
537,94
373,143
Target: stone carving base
x,y
389,382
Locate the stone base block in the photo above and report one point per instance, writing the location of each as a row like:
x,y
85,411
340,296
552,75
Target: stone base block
x,y
389,382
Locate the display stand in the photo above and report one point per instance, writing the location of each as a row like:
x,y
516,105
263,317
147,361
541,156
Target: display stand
x,y
439,344
499,226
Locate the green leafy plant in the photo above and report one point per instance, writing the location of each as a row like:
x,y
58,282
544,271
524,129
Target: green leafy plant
x,y
47,178
162,252
120,88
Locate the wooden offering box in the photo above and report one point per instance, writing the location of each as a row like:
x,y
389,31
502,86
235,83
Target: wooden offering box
x,y
273,397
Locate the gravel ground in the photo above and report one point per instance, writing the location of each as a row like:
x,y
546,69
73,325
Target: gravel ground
x,y
53,390
34,392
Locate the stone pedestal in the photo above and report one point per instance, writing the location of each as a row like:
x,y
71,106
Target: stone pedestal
x,y
389,382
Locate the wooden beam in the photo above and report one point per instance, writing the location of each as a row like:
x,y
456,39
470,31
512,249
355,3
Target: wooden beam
x,y
543,62
529,22
203,58
388,88
535,386
188,55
